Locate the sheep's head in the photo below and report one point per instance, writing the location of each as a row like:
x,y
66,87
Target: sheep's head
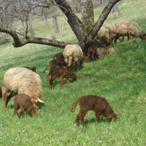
x,y
113,116
33,111
143,37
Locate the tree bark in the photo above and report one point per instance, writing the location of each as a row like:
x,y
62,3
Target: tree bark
x,y
87,14
73,20
21,42
100,21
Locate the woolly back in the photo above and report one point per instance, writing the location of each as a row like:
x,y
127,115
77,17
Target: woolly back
x,y
72,52
22,80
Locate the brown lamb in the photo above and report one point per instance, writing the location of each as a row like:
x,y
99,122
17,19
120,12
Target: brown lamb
x,y
91,102
23,102
60,72
92,52
58,55
58,61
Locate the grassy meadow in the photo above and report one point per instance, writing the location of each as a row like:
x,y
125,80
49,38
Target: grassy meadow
x,y
120,78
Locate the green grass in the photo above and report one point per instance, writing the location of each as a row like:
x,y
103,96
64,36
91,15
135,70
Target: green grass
x,y
120,78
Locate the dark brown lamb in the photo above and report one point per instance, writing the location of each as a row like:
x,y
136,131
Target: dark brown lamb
x,y
91,102
60,72
58,61
92,52
23,102
58,55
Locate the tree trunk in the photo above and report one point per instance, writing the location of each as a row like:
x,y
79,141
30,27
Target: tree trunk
x,y
73,20
87,14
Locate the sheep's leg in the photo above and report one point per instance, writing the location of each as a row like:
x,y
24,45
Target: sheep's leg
x,y
73,66
83,113
76,66
24,113
51,81
97,117
128,38
21,111
115,41
15,111
62,78
7,98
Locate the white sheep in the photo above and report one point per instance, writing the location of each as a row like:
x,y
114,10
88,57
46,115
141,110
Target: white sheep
x,y
106,34
19,80
126,28
73,55
118,30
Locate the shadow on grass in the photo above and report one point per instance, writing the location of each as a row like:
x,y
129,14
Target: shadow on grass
x,y
88,121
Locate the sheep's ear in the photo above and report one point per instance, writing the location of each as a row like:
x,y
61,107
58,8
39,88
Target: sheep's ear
x,y
39,100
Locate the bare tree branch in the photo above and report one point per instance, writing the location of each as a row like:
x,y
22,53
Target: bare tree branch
x,y
21,42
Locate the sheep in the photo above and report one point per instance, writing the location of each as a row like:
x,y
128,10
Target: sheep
x,y
73,55
103,35
0,92
23,102
126,28
92,52
21,80
63,72
58,55
98,104
109,33
57,61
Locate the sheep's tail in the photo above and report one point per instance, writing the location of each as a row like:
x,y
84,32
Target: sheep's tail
x,y
74,105
48,76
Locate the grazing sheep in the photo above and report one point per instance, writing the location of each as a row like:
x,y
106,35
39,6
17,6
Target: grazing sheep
x,y
73,55
92,52
57,61
107,34
91,102
21,80
104,32
58,55
127,28
23,102
60,72
31,68
0,92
